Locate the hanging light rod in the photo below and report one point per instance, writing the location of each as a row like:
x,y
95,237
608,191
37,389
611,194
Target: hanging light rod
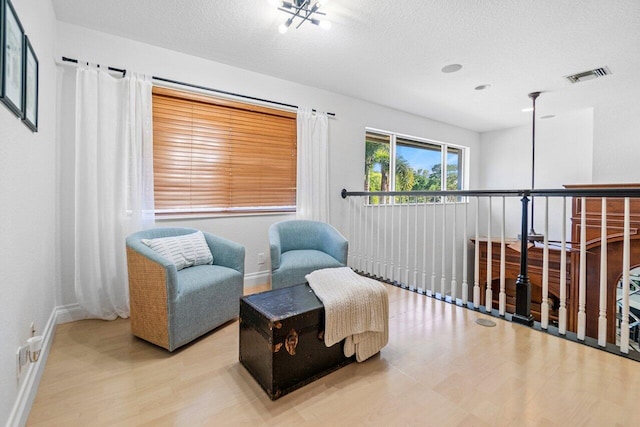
x,y
303,10
533,236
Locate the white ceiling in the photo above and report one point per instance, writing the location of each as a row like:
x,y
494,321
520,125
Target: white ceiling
x,y
391,52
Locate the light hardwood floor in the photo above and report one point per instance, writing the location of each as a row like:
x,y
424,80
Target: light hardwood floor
x,y
439,369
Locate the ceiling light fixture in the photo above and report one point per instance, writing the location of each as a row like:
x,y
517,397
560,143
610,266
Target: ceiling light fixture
x,y
451,68
304,11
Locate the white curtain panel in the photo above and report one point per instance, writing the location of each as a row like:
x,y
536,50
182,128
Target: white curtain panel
x,y
313,166
113,185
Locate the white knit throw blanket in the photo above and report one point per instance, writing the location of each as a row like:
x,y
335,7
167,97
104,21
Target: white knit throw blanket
x,y
356,309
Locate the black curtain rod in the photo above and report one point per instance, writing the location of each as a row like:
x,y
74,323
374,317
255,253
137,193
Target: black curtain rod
x,y
118,70
224,92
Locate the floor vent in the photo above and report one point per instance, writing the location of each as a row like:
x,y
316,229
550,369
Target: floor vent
x,y
588,75
485,322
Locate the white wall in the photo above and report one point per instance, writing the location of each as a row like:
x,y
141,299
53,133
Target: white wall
x,y
564,155
346,131
28,200
616,153
564,147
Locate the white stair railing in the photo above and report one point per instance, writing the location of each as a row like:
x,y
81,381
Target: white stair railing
x,y
410,241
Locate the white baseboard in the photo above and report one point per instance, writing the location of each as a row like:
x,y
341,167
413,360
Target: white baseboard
x,y
70,313
65,314
31,378
254,279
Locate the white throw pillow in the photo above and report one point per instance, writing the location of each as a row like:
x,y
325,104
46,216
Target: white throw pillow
x,y
184,251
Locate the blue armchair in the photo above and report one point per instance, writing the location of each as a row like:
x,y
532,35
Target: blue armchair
x,y
171,307
299,247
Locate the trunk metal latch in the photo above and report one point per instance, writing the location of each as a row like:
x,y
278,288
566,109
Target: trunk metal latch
x,y
291,342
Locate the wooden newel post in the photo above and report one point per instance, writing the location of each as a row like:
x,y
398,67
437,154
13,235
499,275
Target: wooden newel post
x,y
523,285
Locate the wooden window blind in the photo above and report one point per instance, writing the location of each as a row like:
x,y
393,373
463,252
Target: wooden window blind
x,y
217,155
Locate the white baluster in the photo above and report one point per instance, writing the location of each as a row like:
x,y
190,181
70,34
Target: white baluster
x,y
582,282
443,258
433,251
424,249
407,282
360,222
454,283
602,312
372,270
399,272
362,233
358,227
502,297
626,256
390,272
544,307
385,272
349,232
366,236
415,247
476,263
465,285
363,236
562,311
488,302
355,233
376,251
366,248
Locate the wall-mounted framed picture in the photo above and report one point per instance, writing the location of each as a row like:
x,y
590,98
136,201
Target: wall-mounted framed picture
x,y
30,93
11,59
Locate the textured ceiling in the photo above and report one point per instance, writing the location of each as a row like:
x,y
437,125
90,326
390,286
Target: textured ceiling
x,y
391,52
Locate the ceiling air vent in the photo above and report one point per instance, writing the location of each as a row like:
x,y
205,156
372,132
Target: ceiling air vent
x,y
588,75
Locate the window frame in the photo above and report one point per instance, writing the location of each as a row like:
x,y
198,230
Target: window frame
x,y
463,172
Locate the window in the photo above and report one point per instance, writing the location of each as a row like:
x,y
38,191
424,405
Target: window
x,y
417,165
215,155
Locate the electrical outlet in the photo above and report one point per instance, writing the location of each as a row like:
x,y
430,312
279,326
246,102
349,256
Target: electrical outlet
x,y
22,357
260,258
